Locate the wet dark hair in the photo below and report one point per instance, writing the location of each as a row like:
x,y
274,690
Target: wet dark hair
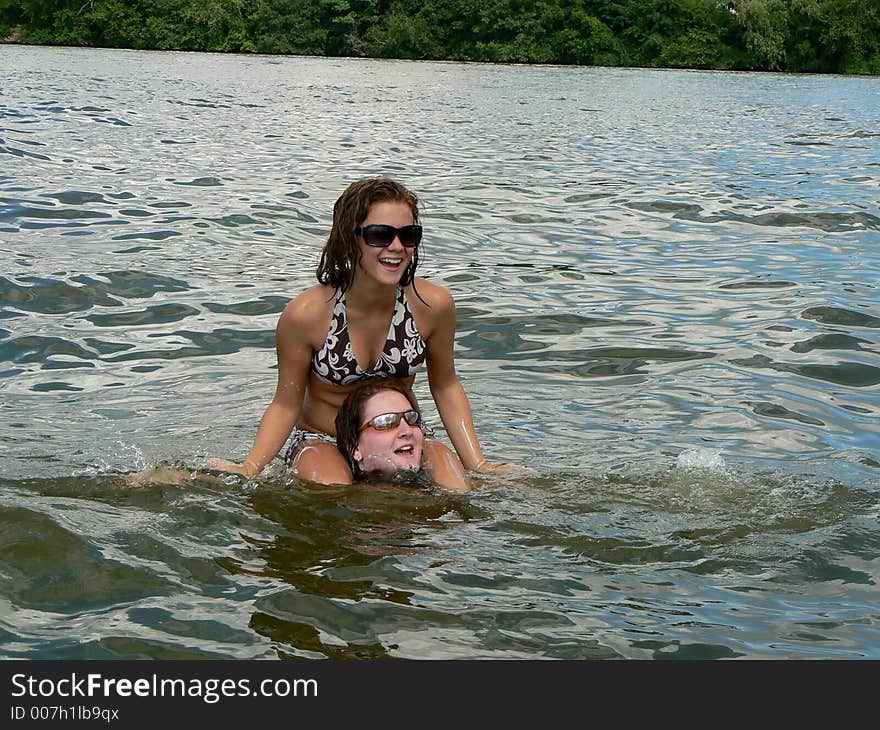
x,y
351,413
341,254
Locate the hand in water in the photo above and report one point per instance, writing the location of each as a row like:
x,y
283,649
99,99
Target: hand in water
x,y
245,469
502,467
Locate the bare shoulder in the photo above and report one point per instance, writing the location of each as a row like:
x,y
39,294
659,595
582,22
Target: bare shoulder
x,y
309,313
432,306
430,297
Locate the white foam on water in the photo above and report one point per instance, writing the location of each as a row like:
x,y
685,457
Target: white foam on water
x,y
701,458
124,458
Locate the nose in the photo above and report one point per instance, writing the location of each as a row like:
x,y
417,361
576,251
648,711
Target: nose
x,y
404,430
396,244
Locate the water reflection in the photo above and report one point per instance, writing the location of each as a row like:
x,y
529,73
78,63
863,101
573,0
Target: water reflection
x,y
337,550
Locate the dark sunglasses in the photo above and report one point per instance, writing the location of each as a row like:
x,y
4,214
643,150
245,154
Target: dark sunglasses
x,y
387,421
381,236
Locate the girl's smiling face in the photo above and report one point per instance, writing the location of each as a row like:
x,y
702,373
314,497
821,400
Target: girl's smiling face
x,y
386,265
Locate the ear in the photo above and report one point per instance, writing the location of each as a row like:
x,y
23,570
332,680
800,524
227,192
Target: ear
x,y
357,456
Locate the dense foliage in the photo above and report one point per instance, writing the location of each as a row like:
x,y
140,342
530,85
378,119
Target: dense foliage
x,y
840,36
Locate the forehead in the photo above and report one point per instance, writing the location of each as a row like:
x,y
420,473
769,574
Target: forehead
x,y
391,212
386,401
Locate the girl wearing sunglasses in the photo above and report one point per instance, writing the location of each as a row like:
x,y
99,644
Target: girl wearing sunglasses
x,y
368,317
379,430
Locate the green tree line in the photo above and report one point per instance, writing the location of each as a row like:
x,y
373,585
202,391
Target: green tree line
x,y
830,36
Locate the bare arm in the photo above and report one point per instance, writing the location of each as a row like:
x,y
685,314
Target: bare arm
x,y
446,469
294,352
447,390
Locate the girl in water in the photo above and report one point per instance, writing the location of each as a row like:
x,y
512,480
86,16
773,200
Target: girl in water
x,y
368,317
379,430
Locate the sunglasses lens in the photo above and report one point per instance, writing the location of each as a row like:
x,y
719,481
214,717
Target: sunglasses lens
x,y
412,417
410,236
386,421
379,235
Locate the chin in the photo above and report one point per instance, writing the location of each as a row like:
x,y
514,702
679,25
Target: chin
x,y
413,463
391,277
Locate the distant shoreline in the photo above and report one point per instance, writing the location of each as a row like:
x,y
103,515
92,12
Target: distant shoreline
x,y
14,39
784,36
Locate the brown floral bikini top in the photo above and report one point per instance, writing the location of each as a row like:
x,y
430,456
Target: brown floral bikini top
x,y
402,355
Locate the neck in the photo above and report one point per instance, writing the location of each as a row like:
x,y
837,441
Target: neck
x,y
369,293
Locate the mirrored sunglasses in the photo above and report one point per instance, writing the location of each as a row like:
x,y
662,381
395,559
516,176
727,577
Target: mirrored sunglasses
x,y
387,421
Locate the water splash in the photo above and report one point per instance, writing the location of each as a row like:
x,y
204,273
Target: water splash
x,y
122,459
701,458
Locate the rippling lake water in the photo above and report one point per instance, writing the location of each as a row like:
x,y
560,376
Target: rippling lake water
x,y
667,289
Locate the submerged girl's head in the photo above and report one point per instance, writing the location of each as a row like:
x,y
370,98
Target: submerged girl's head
x,y
342,253
379,429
